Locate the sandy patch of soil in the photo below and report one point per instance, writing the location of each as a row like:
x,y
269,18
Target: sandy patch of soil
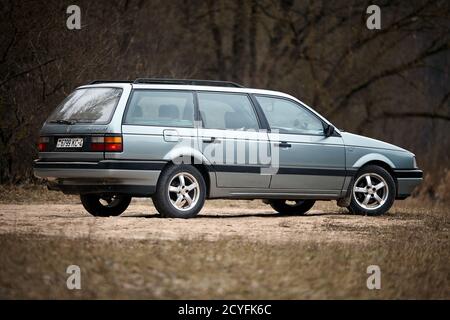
x,y
250,221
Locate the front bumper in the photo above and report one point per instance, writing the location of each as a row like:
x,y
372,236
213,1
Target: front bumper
x,y
407,181
113,176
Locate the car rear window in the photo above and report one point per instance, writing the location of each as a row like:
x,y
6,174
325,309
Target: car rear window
x,y
89,105
161,108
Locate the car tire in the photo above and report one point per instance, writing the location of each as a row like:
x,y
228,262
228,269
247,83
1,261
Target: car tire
x,y
373,191
299,207
180,192
105,205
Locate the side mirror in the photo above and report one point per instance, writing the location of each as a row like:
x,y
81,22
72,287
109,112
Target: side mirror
x,y
329,130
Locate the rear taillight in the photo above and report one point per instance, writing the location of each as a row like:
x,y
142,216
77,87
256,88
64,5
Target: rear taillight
x,y
98,144
113,144
43,143
107,143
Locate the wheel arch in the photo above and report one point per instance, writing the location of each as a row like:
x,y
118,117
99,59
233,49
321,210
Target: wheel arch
x,y
373,158
379,163
385,166
196,163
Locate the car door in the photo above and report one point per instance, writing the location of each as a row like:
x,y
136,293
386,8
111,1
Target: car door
x,y
308,161
231,141
157,122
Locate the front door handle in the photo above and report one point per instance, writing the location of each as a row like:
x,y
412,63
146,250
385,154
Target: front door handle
x,y
284,144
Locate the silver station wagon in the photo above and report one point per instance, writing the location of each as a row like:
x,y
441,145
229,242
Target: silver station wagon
x,y
184,141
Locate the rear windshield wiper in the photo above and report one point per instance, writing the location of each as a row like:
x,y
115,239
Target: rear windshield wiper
x,y
62,121
83,121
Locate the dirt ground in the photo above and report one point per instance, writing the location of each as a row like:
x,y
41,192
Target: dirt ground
x,y
252,220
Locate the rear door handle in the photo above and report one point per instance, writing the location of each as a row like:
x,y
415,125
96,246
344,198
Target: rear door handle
x,y
284,145
171,135
210,140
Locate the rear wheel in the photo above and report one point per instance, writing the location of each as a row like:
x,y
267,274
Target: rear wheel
x,y
180,192
292,207
105,205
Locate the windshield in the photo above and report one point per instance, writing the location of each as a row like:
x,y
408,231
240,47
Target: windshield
x,y
91,105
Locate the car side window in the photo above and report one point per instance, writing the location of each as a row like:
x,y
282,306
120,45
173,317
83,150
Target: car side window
x,y
161,108
289,117
227,111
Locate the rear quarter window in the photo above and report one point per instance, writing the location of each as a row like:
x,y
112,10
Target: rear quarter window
x,y
88,105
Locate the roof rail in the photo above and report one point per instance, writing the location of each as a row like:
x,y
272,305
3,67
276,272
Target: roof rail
x,y
110,81
193,82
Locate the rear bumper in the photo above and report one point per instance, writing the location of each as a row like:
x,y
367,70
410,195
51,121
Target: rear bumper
x,y
132,190
407,181
138,178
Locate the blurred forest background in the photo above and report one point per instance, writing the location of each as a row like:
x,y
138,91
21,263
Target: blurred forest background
x,y
391,84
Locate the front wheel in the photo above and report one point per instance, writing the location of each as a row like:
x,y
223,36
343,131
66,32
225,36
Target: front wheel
x,y
373,191
292,207
105,205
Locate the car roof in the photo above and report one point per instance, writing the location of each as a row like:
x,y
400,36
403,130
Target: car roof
x,y
190,87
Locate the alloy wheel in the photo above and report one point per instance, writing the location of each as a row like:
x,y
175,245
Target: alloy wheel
x,y
370,191
183,191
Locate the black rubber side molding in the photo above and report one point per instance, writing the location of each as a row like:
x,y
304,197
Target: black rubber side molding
x,y
144,165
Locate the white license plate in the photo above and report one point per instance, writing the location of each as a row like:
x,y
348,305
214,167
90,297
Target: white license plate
x,y
69,143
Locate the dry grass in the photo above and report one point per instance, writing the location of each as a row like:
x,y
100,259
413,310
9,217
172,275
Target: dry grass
x,y
230,269
33,193
435,187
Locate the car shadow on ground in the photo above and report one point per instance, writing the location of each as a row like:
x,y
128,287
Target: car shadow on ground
x,y
245,215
